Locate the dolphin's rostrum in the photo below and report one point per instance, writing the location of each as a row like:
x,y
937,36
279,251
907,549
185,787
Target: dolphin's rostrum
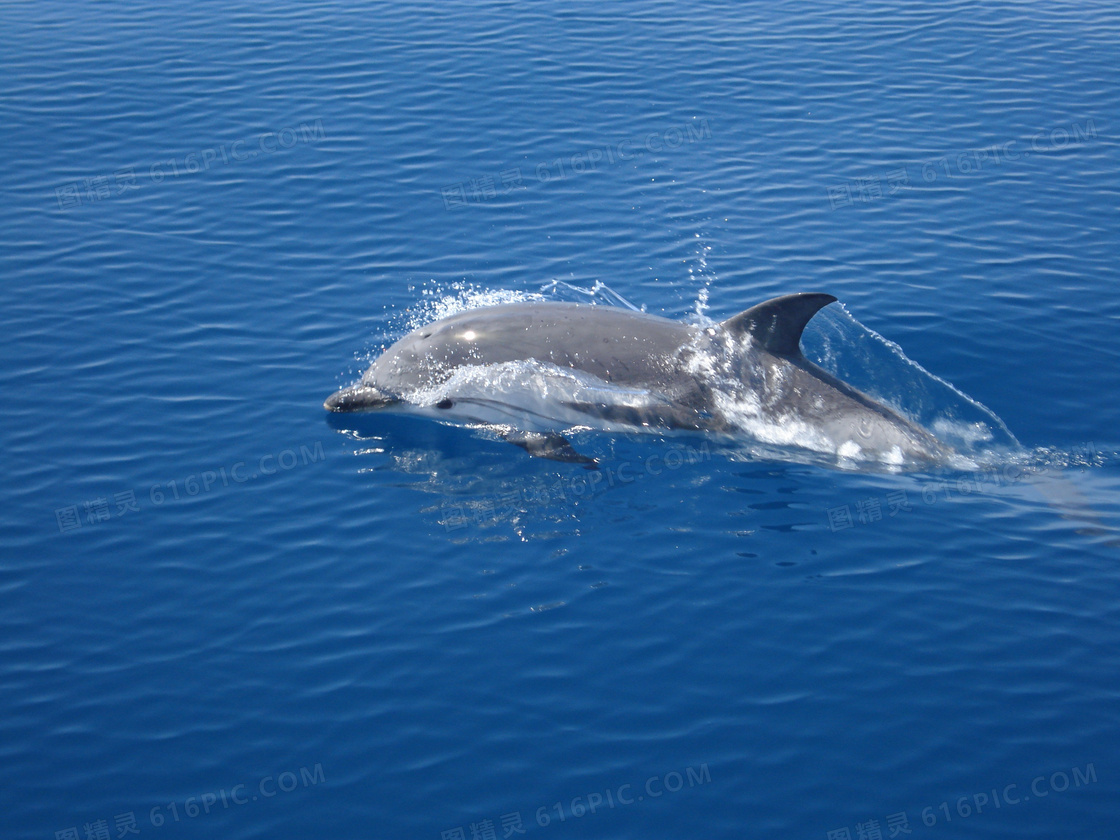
x,y
745,375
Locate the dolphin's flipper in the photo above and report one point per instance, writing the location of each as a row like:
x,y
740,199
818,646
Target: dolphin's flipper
x,y
777,324
549,445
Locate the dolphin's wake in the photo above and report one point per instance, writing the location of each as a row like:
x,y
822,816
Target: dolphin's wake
x,y
835,394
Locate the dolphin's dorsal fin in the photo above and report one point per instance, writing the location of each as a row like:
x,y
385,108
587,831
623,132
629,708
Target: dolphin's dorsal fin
x,y
777,324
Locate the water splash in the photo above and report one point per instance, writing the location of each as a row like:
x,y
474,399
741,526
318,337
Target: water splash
x,y
702,277
438,302
600,294
848,350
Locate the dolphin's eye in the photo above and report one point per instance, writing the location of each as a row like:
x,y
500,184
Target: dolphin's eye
x,y
444,403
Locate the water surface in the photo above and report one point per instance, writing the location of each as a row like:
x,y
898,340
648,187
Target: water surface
x,y
216,214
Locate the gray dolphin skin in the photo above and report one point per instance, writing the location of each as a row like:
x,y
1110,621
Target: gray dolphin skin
x,y
757,354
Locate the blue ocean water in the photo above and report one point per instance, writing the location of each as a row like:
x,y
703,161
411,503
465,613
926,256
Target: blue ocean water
x,y
227,615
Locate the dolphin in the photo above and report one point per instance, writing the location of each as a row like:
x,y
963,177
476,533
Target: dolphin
x,y
640,371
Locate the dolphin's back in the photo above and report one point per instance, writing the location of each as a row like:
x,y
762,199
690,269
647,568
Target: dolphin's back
x,y
615,345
